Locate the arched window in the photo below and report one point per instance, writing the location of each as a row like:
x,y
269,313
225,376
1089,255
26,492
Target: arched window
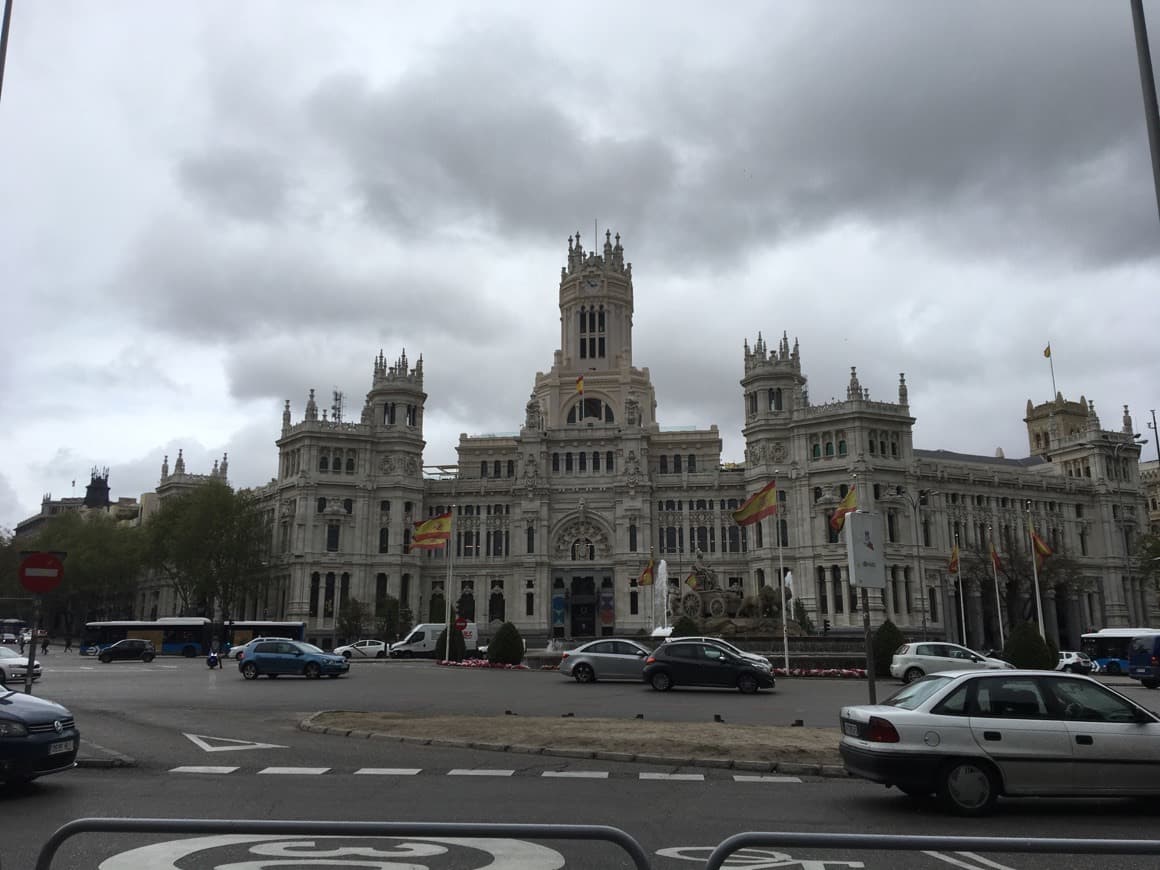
x,y
531,539
816,451
567,462
692,463
595,460
483,468
632,538
321,503
348,505
608,463
842,448
582,461
677,464
495,466
511,468
829,449
324,463
350,465
817,493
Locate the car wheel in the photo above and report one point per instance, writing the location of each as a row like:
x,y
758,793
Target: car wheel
x,y
312,671
747,683
189,652
346,654
661,681
1112,669
381,654
1149,684
250,671
104,658
583,674
147,657
238,655
912,674
968,787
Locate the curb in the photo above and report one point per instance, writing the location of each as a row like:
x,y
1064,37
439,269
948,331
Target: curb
x,y
788,768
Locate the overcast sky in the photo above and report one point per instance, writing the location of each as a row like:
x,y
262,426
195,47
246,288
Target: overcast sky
x,y
208,208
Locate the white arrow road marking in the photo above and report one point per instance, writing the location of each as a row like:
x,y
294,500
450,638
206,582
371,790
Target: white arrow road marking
x,y
982,862
472,772
193,768
201,741
684,777
389,771
577,774
293,771
740,777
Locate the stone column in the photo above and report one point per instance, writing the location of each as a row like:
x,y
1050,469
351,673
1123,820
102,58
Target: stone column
x,y
1074,618
1050,616
974,615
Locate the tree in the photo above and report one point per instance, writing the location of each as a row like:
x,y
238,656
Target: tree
x,y
458,648
887,639
388,618
802,616
1148,559
1027,649
507,647
353,620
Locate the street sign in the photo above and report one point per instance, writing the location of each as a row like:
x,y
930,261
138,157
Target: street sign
x,y
461,623
864,550
41,572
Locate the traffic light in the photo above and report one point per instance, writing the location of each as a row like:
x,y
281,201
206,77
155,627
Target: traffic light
x,y
825,626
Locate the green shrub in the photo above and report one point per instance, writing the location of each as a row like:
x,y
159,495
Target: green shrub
x,y
458,650
507,647
887,639
802,616
685,626
1026,649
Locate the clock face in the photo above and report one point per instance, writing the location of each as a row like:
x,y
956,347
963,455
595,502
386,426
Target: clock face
x,y
591,283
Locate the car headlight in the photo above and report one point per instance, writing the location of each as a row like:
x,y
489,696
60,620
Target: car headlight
x,y
11,728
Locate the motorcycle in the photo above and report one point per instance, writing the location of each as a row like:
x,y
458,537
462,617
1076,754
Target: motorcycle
x,y
213,660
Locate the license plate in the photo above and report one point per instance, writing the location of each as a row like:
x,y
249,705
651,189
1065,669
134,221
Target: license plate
x,y
1139,670
850,729
60,747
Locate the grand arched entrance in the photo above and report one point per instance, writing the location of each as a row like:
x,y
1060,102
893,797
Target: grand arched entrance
x,y
582,602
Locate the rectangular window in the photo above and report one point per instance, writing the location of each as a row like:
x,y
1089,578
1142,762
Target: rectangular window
x,y
633,602
632,539
332,538
529,604
384,535
600,344
314,589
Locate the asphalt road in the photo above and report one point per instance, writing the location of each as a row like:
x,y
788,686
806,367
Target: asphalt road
x,y
148,711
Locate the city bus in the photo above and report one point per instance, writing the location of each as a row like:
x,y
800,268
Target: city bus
x,y
171,635
1110,648
238,632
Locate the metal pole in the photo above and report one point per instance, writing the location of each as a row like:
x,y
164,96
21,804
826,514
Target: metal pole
x,y
781,586
4,40
1148,86
1152,426
32,646
918,561
869,647
995,574
962,597
1035,571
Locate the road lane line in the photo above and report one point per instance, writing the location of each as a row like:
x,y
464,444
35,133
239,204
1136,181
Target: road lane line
x,y
741,777
985,861
576,774
459,771
291,771
684,777
389,771
204,768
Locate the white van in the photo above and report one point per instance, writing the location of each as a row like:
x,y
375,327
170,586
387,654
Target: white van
x,y
423,637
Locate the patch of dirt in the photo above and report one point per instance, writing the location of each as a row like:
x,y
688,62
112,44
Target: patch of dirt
x,y
639,736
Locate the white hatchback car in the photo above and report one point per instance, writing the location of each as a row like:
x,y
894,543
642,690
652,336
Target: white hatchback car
x,y
363,649
970,737
914,660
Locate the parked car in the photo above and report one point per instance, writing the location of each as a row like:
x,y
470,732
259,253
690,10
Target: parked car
x,y
14,666
276,657
682,662
914,660
757,659
133,648
8,637
609,658
1074,662
239,652
1144,660
363,649
37,737
971,737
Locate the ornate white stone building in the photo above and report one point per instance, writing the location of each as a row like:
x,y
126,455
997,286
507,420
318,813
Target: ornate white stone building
x,y
554,523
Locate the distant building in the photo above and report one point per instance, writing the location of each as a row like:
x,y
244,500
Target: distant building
x,y
96,500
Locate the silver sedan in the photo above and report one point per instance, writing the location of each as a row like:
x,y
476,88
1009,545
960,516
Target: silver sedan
x,y
14,666
606,659
972,736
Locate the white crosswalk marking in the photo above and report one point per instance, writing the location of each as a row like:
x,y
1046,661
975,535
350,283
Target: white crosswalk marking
x,y
476,772
683,777
389,771
203,768
577,774
291,771
740,777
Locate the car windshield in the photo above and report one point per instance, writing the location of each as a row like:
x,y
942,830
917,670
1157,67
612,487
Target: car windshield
x,y
9,654
308,647
912,696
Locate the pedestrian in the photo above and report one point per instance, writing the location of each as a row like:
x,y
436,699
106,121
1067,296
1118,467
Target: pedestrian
x,y
68,643
44,645
22,644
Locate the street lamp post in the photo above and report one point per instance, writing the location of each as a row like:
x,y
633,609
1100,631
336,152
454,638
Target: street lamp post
x,y
915,501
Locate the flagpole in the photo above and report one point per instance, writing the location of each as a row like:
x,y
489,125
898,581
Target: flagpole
x,y
1035,571
781,585
995,575
1051,362
447,590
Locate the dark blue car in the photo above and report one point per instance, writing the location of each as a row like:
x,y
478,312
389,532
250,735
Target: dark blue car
x,y
37,737
276,657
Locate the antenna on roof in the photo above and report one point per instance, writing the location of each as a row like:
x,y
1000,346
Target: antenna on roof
x,y
336,407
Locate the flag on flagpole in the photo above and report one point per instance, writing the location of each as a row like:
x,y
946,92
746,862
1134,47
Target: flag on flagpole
x,y
761,504
580,385
1042,550
647,577
433,533
995,561
953,565
692,581
1047,350
847,506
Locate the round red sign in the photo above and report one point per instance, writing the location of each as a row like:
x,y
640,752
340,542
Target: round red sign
x,y
461,623
41,572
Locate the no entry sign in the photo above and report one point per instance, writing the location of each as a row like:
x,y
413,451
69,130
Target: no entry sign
x,y
41,572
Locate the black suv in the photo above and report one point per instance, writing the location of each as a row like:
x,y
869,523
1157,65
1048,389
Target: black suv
x,y
129,648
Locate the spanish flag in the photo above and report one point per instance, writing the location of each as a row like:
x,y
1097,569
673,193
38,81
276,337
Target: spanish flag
x,y
1042,550
647,576
580,385
995,562
433,533
847,506
758,506
953,564
1047,350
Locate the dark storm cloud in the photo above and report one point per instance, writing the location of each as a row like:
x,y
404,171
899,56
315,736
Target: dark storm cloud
x,y
238,182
